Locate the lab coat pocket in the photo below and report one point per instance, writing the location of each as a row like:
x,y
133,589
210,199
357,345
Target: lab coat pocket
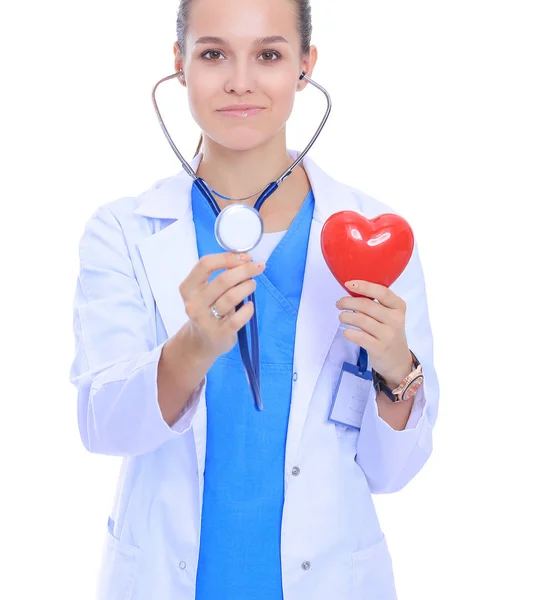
x,y
117,576
372,573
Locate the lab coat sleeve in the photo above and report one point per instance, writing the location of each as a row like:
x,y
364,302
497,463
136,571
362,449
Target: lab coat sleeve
x,y
390,458
116,358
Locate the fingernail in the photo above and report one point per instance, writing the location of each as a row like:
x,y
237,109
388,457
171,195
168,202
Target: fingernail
x,y
243,257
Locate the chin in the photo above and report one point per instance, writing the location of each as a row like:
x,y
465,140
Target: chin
x,y
241,141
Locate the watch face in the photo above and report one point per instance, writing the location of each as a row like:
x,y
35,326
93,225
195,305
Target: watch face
x,y
413,387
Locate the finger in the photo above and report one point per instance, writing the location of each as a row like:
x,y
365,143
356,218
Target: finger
x,y
206,266
228,301
239,319
365,322
364,305
363,339
373,290
228,280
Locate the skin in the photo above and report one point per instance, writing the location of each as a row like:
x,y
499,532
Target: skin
x,y
240,156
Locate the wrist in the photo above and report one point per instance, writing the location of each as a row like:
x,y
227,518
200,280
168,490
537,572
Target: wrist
x,y
192,348
395,379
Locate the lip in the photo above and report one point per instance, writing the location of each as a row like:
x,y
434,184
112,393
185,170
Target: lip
x,y
240,111
239,107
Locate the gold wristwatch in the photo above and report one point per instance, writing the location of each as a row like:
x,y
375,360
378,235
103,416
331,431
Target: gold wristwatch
x,y
407,388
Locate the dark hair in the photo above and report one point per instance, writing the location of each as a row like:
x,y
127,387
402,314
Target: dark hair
x,y
304,20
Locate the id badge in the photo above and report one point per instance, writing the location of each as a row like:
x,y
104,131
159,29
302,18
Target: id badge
x,y
352,391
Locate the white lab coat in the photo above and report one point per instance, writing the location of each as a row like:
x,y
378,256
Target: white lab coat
x,y
134,253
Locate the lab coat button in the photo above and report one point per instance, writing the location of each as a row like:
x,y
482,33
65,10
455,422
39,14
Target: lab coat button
x,y
182,565
295,471
306,565
295,376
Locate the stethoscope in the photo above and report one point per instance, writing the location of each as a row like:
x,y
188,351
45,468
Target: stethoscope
x,y
239,228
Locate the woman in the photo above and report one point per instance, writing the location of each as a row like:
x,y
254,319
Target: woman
x,y
216,499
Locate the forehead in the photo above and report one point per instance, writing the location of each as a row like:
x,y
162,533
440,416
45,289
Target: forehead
x,y
243,20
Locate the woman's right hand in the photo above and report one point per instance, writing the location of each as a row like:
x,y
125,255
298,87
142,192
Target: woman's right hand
x,y
208,336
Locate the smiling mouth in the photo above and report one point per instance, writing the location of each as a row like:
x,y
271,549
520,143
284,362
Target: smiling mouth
x,y
242,113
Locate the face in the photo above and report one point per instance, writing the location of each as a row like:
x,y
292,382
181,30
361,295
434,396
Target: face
x,y
241,87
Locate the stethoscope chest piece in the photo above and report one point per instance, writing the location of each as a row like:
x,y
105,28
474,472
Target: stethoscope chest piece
x,y
239,228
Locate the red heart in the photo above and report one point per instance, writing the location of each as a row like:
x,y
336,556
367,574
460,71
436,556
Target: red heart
x,y
375,250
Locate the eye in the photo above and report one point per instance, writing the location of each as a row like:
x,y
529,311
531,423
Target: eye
x,y
270,53
212,53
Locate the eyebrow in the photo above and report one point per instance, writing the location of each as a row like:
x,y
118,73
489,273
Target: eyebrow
x,y
272,39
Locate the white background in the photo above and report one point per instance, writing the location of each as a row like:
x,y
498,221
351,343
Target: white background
x,y
435,114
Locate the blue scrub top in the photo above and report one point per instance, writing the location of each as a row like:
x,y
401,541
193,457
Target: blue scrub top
x,y
244,471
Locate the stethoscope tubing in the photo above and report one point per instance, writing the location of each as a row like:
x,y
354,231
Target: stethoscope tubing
x,y
251,361
187,167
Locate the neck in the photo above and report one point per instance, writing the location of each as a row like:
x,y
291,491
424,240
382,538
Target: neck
x,y
241,173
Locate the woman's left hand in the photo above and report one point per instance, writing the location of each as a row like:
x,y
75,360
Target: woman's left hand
x,y
383,329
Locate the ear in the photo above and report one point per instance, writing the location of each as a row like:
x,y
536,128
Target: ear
x,y
178,59
307,65
178,64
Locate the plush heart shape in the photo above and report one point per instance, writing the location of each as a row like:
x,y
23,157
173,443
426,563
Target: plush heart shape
x,y
375,250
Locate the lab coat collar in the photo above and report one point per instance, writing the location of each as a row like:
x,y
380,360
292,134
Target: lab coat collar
x,y
171,199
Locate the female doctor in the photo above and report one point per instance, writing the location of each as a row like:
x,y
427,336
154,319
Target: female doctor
x,y
215,499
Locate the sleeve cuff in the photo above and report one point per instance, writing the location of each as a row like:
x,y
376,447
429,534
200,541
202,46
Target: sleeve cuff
x,y
184,422
185,419
419,409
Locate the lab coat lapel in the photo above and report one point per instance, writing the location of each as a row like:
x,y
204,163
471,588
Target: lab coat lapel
x,y
317,322
170,254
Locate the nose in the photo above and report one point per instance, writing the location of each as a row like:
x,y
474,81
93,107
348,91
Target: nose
x,y
241,78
